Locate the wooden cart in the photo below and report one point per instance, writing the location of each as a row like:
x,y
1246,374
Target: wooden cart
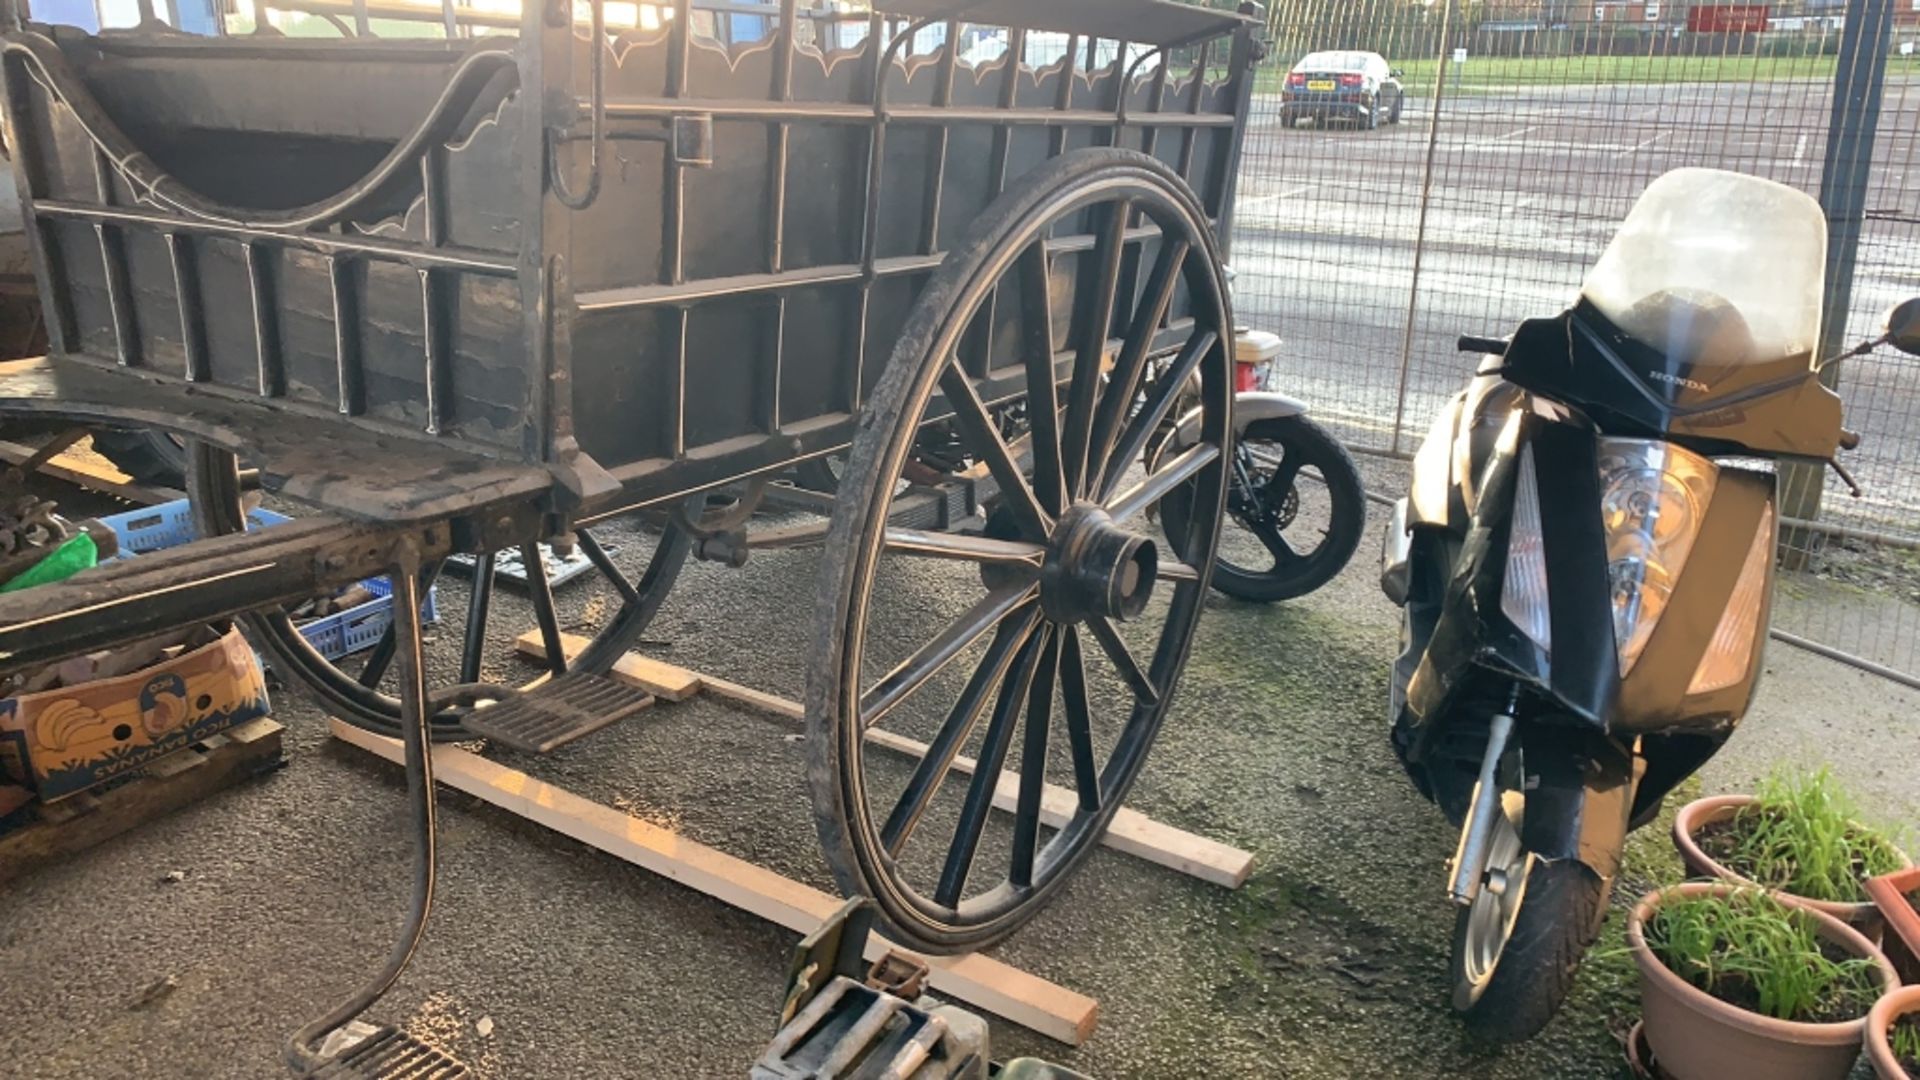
x,y
540,271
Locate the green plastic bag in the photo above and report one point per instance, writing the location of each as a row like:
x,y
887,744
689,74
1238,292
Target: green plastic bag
x,y
77,554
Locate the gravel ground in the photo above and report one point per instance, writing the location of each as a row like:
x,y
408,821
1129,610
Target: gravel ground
x,y
1329,963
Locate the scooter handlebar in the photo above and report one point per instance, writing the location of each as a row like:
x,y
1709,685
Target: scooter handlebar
x,y
1471,344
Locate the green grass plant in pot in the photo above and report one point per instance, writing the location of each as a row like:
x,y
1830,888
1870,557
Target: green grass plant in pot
x,y
1735,983
1799,836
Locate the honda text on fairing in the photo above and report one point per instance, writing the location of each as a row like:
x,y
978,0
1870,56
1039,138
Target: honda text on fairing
x,y
1585,562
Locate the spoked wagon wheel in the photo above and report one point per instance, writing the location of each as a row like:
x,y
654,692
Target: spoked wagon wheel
x,y
1063,599
359,697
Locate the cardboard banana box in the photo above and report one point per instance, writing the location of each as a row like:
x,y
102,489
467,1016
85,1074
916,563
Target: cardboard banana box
x,y
67,740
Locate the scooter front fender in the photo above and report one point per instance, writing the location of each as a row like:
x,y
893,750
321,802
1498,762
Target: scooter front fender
x,y
1580,795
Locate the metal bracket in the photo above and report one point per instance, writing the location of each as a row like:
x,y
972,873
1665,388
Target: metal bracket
x,y
898,974
693,140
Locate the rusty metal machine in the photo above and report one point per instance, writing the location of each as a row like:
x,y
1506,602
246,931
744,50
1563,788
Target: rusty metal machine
x,y
462,293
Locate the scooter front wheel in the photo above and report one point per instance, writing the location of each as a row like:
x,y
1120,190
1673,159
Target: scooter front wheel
x,y
1517,947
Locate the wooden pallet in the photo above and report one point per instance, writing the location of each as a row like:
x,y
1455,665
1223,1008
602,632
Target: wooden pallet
x,y
180,779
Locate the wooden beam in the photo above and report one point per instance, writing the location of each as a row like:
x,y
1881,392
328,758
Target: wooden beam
x,y
1130,832
93,473
167,784
1006,991
662,680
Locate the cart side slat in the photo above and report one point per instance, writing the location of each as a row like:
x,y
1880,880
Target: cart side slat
x,y
1151,22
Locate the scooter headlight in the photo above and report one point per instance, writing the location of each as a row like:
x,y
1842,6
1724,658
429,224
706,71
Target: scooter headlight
x,y
1653,499
1523,596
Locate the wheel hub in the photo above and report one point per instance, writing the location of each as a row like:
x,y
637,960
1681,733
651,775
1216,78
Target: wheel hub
x,y
1096,568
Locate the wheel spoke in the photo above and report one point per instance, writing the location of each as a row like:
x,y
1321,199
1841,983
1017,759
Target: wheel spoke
x,y
915,670
1178,571
479,606
986,776
1109,254
957,546
1160,398
1276,544
983,436
1116,649
1033,765
1132,364
381,658
1171,475
937,762
597,555
541,594
1079,722
1043,390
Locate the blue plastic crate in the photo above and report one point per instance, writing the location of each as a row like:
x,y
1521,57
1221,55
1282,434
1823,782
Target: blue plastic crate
x,y
341,634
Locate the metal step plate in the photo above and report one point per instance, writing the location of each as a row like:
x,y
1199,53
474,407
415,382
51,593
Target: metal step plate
x,y
391,1054
507,564
557,712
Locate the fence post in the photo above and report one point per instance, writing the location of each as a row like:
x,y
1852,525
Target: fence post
x,y
1858,83
1420,233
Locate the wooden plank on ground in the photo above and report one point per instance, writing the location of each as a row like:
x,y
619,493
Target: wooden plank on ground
x,y
1130,832
1006,991
92,472
169,783
655,677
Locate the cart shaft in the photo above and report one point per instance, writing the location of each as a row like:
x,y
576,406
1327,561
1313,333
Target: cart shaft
x,y
200,582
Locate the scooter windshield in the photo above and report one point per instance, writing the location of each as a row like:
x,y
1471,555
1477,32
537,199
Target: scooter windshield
x,y
1716,270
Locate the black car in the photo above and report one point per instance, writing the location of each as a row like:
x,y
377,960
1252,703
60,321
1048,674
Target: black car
x,y
1357,87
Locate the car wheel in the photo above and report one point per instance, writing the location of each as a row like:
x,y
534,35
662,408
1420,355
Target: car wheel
x,y
1373,114
1399,101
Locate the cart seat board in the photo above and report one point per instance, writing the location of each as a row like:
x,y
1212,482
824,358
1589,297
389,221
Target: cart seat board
x,y
349,470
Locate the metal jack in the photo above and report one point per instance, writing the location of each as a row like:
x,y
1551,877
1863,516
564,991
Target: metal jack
x,y
1470,861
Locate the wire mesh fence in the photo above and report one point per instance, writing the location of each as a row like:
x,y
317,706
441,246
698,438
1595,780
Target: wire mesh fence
x,y
1472,175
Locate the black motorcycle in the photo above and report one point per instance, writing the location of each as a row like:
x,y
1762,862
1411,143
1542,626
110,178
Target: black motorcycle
x,y
1585,562
1296,506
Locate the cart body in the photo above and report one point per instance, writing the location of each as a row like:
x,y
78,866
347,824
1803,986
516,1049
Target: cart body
x,y
376,235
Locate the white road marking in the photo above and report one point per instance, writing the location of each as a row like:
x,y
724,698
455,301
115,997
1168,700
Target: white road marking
x,y
1277,196
1642,146
1800,149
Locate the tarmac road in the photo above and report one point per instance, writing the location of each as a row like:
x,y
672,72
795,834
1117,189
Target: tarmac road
x,y
1527,189
1329,964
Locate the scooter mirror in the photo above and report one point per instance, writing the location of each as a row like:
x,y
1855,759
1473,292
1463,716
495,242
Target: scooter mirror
x,y
1903,327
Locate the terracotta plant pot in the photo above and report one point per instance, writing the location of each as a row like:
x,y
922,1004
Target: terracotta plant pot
x,y
1880,1021
1701,813
1890,893
1696,1036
